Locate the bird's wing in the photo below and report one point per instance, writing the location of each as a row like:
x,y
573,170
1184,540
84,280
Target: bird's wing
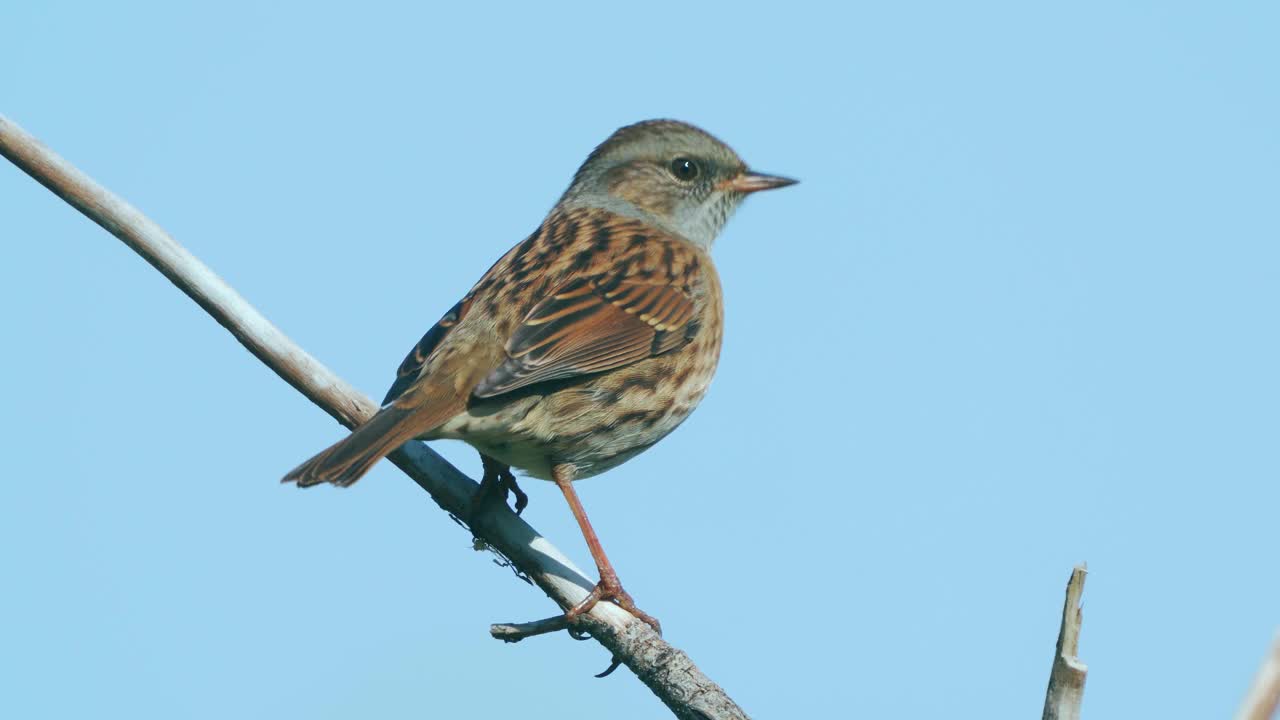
x,y
408,371
592,324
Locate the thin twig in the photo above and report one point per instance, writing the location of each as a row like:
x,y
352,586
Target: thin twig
x,y
1066,680
515,632
1264,695
667,671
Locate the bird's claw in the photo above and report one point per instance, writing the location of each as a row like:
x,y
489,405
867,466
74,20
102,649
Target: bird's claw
x,y
609,589
507,481
497,485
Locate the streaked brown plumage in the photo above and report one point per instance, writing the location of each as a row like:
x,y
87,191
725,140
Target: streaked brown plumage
x,y
587,342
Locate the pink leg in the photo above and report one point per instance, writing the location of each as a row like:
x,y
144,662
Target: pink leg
x,y
608,588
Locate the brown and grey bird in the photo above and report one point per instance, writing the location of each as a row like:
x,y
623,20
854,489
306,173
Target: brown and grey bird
x,y
587,342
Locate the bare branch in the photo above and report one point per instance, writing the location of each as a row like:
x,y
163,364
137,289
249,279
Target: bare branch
x,y
515,632
1264,696
667,671
1066,680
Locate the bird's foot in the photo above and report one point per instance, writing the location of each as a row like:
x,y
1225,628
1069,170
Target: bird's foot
x,y
609,589
497,485
508,482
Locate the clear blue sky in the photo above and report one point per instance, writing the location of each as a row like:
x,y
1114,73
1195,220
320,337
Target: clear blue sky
x,y
1021,312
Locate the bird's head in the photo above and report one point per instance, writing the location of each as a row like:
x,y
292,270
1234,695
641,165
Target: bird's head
x,y
668,173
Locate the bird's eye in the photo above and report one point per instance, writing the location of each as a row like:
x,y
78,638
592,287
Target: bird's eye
x,y
684,169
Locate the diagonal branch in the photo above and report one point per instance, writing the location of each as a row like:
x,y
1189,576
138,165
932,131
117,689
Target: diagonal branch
x,y
667,671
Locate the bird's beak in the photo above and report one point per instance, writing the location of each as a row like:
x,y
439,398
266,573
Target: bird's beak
x,y
749,182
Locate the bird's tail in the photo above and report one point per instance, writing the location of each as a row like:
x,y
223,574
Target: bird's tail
x,y
347,460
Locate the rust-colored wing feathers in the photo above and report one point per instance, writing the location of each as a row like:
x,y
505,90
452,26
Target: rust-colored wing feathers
x,y
590,325
662,307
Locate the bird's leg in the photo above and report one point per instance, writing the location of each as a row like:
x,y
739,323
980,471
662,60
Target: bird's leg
x,y
608,588
495,484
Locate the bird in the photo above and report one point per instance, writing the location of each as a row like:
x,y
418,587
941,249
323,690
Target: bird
x,y
586,343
